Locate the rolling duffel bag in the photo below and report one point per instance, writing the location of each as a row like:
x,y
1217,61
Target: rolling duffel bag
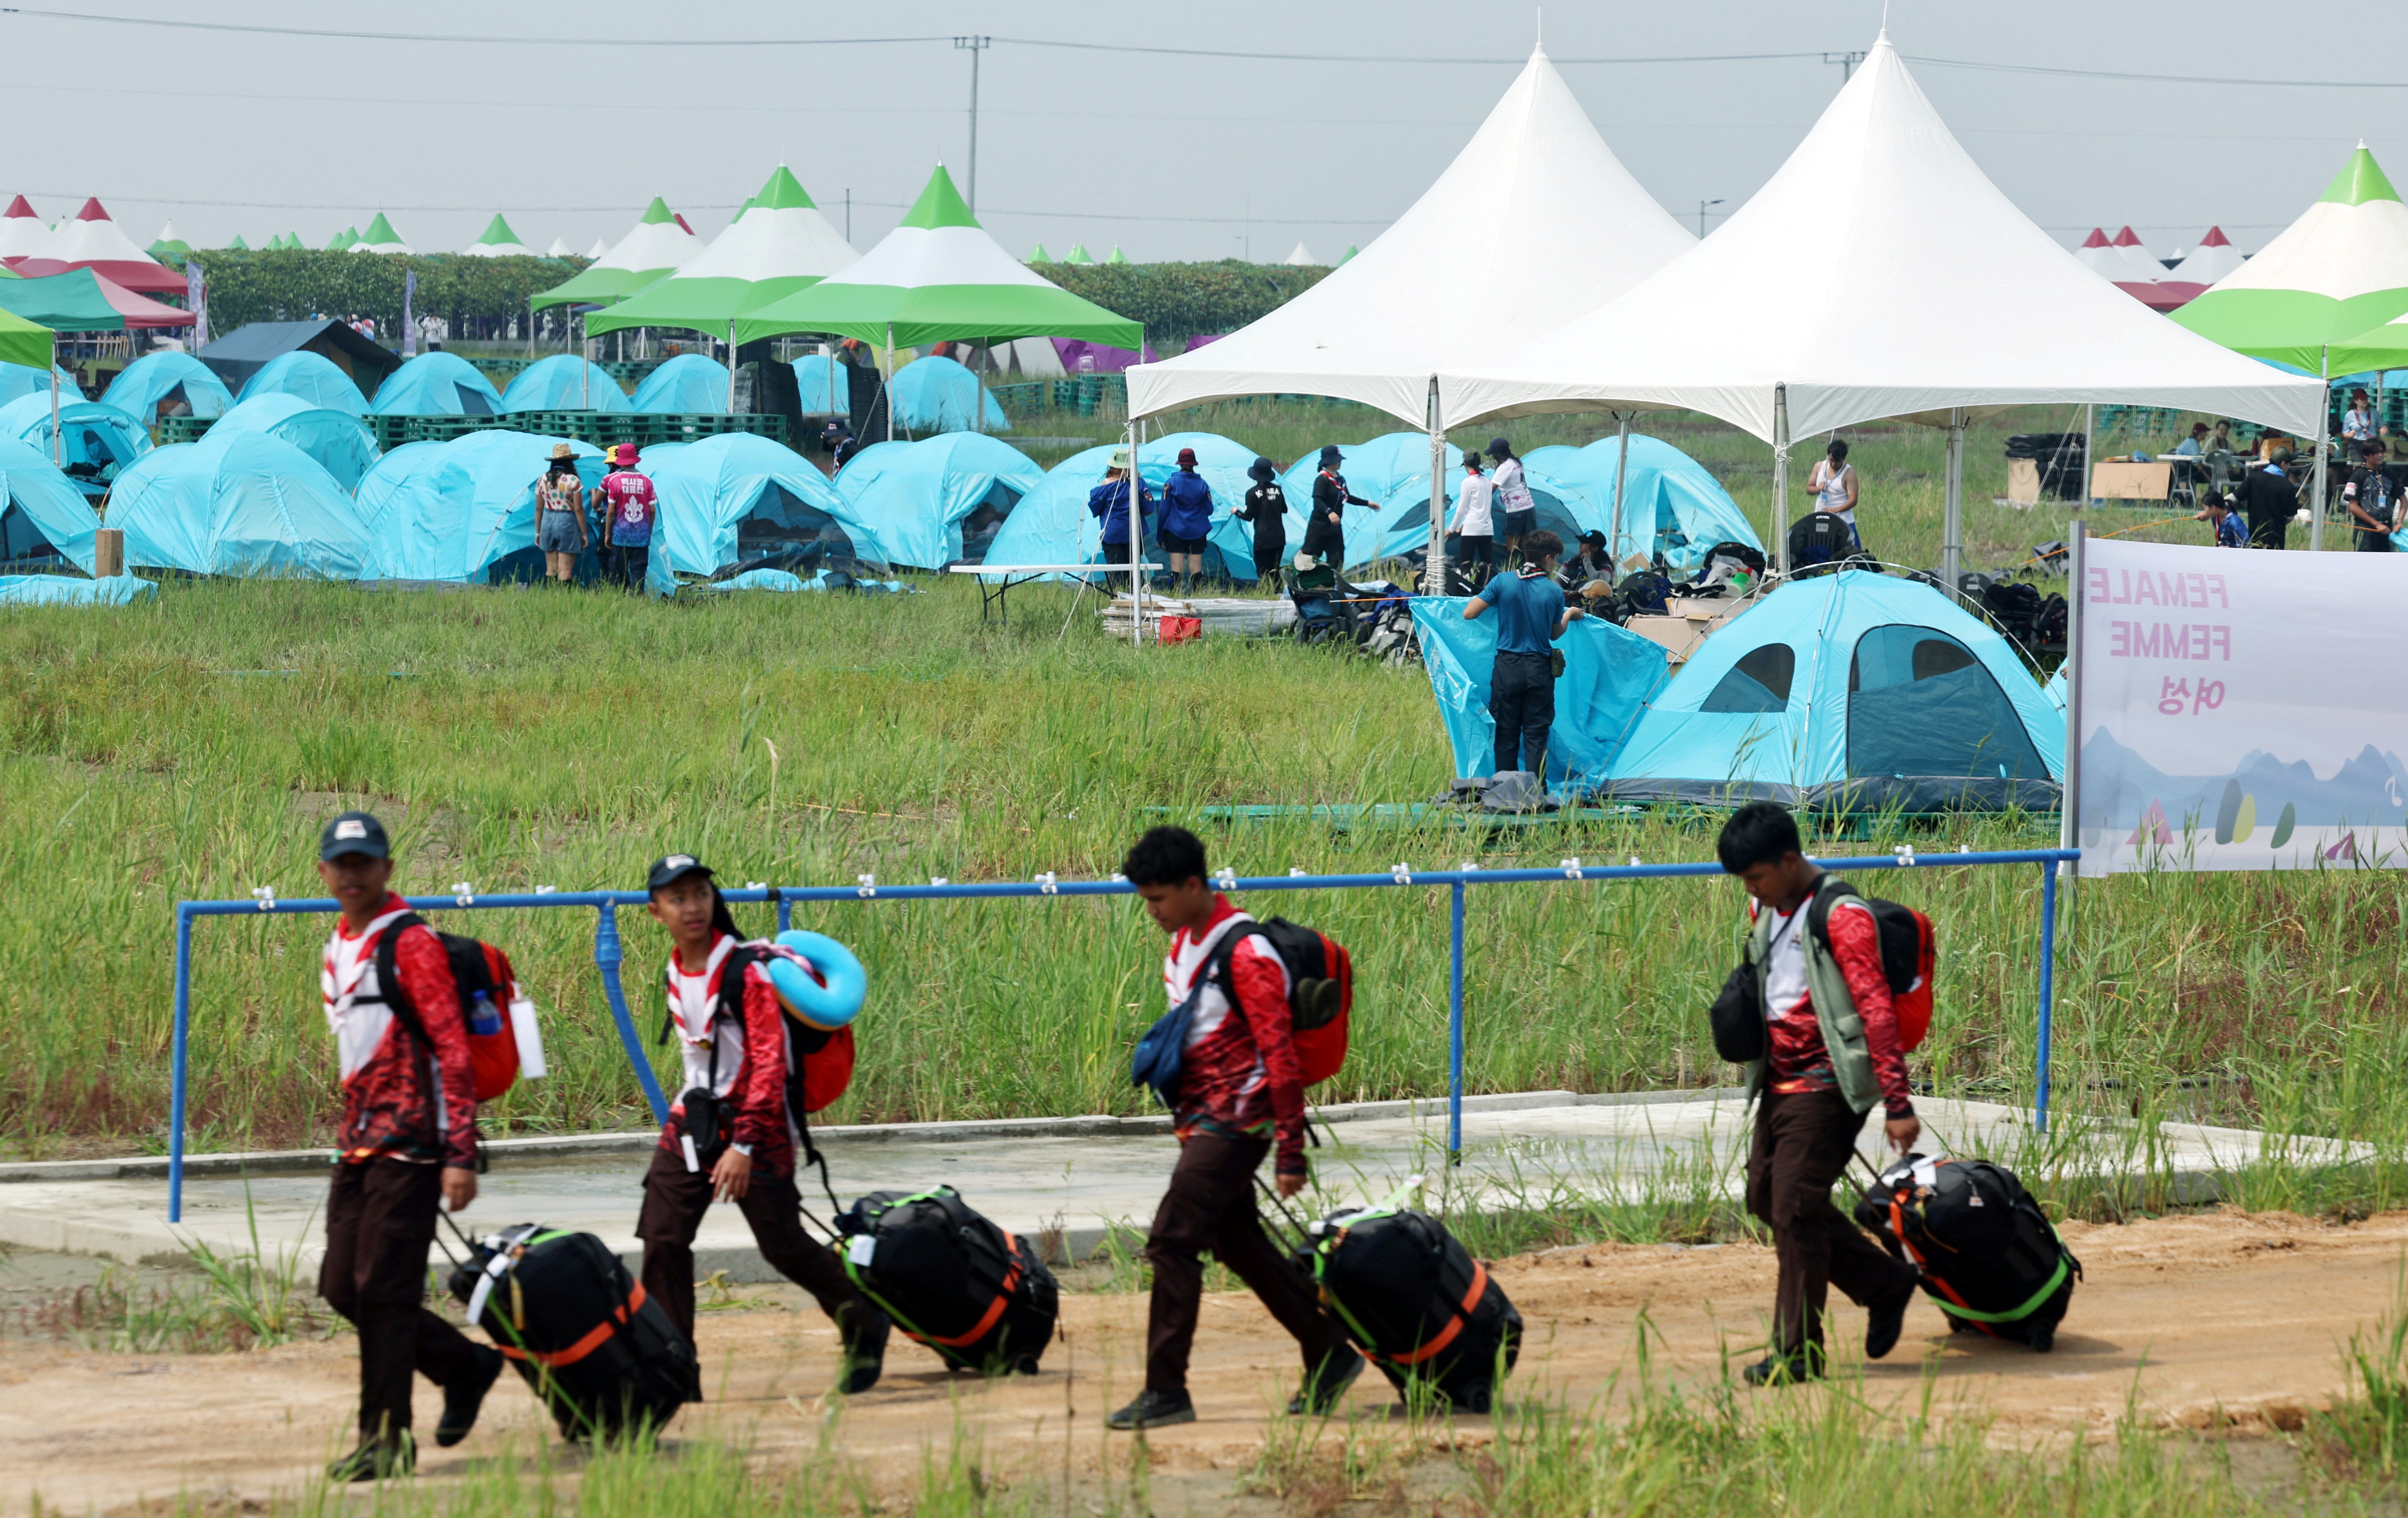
x,y
951,1278
605,1359
1414,1300
1987,1256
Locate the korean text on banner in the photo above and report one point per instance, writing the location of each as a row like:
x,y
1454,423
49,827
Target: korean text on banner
x,y
2241,711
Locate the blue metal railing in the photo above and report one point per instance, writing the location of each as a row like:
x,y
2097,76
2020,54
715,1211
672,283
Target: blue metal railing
x,y
607,954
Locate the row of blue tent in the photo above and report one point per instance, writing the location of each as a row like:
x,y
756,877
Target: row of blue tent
x,y
1854,689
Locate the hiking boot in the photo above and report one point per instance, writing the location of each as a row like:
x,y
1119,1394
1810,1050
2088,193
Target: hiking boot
x,y
465,1396
863,1330
1885,1318
1781,1370
1322,1387
1153,1409
376,1460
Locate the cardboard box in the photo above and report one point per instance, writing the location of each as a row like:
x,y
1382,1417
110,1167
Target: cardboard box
x,y
1687,624
2116,480
2023,481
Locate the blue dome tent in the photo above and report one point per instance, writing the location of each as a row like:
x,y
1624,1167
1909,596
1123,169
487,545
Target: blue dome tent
x,y
936,395
1677,507
17,380
1393,472
688,385
1052,523
97,441
1856,690
741,498
457,510
165,378
305,374
242,504
939,500
821,385
438,385
42,517
339,443
565,383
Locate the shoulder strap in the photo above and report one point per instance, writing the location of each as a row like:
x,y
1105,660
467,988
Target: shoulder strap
x,y
1819,911
389,987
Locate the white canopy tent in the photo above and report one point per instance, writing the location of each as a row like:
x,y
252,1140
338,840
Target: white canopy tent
x,y
1533,222
1933,299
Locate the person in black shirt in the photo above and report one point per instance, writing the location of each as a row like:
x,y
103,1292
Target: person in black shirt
x,y
1324,530
1265,511
2270,500
1591,563
2371,501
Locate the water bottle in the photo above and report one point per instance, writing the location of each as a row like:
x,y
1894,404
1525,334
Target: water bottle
x,y
484,1017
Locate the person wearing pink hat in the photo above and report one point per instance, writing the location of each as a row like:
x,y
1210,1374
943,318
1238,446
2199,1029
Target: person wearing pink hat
x,y
629,509
1186,519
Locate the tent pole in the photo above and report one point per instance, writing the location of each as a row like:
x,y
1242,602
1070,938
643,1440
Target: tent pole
x,y
2324,432
1436,584
1779,545
2089,446
57,453
886,384
731,366
1952,542
1621,478
1129,487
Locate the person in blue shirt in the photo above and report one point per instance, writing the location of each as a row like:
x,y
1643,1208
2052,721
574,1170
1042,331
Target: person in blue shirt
x,y
1531,616
1186,519
2225,517
1110,502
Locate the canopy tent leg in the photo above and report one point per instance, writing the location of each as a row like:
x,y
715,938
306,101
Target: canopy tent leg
x,y
2090,447
1952,540
1621,478
1132,498
1436,583
886,384
731,366
1779,545
2324,442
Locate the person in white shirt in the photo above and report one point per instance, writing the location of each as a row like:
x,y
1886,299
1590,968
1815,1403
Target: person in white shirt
x,y
1833,483
1520,514
1473,527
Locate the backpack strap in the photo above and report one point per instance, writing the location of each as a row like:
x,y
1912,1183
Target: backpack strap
x,y
740,960
1217,969
1828,892
389,987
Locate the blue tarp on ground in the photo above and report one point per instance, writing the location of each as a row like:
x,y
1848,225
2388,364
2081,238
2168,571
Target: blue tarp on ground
x,y
688,385
564,382
62,590
939,500
1677,507
438,385
309,377
239,503
739,497
40,512
153,378
97,441
17,380
1609,674
338,441
938,395
1856,690
1051,525
448,511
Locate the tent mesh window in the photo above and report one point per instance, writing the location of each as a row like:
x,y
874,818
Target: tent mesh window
x,y
1919,703
782,531
22,543
1760,682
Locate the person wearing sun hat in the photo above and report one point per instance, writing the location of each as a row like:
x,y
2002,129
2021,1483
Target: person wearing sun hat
x,y
1186,519
1325,529
1266,511
560,514
629,508
1110,503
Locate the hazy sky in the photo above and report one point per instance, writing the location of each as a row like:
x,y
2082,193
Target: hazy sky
x,y
1166,156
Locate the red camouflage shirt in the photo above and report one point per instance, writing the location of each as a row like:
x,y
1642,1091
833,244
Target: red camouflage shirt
x,y
399,1098
1798,1058
752,1058
1239,1073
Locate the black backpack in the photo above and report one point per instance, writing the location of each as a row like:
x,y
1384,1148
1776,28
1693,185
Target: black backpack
x,y
602,1356
1987,1256
951,1278
1818,542
819,1072
2015,607
1416,1303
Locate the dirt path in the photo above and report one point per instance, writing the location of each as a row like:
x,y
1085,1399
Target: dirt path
x,y
2188,1316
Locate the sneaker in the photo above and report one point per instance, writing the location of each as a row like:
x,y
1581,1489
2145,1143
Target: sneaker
x,y
376,1460
863,1330
1781,1370
1886,1319
1323,1388
1153,1409
464,1397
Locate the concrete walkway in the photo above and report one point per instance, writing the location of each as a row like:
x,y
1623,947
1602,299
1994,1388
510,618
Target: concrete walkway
x,y
1071,1182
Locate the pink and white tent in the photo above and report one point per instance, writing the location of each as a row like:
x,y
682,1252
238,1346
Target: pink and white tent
x,y
2212,260
21,233
92,241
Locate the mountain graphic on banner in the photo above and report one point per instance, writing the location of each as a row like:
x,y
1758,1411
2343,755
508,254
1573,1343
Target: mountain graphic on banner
x,y
2124,789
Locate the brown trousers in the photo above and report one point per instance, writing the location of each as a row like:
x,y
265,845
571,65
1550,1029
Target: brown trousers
x,y
1210,1205
1802,1143
380,1224
675,1199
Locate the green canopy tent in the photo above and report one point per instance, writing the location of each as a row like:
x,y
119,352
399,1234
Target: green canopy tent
x,y
939,277
24,343
238,245
1117,257
1079,255
498,241
381,238
81,301
2314,292
1038,255
657,249
343,239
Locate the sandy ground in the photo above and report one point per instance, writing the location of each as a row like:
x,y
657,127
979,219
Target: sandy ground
x,y
2192,1320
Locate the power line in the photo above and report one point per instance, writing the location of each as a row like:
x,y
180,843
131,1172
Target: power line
x,y
2134,77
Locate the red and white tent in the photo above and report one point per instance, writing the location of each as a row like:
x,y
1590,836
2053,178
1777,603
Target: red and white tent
x,y
2212,260
21,233
2124,263
92,241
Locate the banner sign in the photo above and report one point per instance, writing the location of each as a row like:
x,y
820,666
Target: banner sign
x,y
2239,710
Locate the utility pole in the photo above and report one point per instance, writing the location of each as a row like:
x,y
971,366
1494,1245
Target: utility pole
x,y
974,45
1848,61
1701,214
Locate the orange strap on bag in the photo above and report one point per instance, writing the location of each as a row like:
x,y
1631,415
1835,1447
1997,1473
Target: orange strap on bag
x,y
599,1335
1454,1325
994,1310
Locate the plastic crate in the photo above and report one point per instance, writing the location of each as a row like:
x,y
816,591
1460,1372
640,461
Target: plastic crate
x,y
690,427
444,428
184,429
